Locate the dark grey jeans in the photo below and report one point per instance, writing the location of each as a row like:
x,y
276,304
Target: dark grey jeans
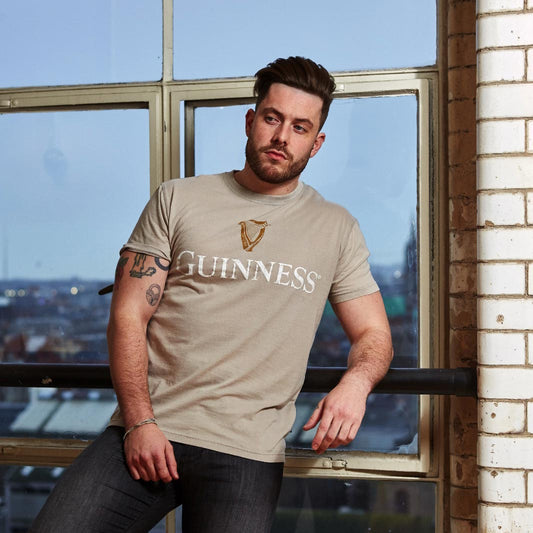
x,y
219,492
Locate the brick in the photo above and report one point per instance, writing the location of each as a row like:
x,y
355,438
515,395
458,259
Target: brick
x,y
500,65
462,180
529,65
505,383
530,487
502,417
530,348
529,135
498,243
461,17
461,147
501,278
462,526
463,348
505,30
463,471
509,314
530,417
505,519
509,100
501,348
500,486
463,278
505,452
462,115
463,503
463,213
462,82
463,426
492,6
501,136
463,312
463,246
501,209
462,50
505,172
529,207
530,279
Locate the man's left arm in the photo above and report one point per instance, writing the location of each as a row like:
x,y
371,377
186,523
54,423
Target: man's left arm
x,y
340,412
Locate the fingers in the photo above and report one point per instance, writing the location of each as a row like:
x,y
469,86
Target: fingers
x,y
171,461
326,434
314,418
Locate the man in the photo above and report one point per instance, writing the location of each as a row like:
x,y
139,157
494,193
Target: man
x,y
218,294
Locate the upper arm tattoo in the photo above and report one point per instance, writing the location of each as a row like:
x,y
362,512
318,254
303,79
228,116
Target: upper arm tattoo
x,y
138,269
161,265
119,272
153,293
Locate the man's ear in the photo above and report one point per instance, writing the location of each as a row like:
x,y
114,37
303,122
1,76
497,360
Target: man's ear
x,y
319,141
250,115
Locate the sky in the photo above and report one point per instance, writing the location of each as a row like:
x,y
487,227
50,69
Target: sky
x,y
72,183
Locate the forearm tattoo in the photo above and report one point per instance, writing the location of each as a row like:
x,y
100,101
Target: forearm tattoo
x,y
153,294
138,269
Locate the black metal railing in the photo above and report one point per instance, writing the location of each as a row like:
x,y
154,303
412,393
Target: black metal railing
x,y
456,381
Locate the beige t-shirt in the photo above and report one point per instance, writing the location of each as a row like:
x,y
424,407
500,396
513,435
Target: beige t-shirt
x,y
248,280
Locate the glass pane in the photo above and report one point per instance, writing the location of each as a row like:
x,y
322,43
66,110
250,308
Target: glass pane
x,y
73,185
227,39
346,506
24,490
102,41
368,164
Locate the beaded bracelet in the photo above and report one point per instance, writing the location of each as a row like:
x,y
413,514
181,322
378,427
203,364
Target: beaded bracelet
x,y
139,424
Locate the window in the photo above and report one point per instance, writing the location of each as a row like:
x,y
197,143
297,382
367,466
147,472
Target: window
x,y
157,88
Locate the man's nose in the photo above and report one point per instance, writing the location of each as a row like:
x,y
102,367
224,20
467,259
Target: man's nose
x,y
281,134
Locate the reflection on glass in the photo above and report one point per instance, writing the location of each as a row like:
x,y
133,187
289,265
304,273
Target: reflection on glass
x,y
24,490
346,506
50,43
368,164
355,35
73,185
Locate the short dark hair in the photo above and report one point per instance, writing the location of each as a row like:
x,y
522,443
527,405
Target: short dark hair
x,y
300,73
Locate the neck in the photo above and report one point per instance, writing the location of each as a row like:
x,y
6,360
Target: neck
x,y
249,180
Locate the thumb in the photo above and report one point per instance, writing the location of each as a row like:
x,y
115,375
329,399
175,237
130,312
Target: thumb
x,y
314,418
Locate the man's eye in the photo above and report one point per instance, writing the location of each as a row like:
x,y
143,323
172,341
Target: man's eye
x,y
270,119
299,129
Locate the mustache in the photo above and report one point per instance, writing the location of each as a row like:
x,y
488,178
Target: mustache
x,y
279,148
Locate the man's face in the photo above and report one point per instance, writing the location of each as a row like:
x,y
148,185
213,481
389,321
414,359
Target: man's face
x,y
283,133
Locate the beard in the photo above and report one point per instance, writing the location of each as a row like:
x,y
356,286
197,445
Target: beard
x,y
270,172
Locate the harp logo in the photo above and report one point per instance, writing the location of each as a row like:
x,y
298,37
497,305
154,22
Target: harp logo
x,y
252,232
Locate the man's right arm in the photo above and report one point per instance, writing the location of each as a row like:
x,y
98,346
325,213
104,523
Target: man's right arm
x,y
139,284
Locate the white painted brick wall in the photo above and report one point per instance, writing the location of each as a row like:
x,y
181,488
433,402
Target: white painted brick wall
x,y
505,452
501,136
508,314
501,278
506,101
530,136
491,6
505,30
530,279
530,487
502,417
501,348
530,63
530,417
505,519
530,208
505,172
498,65
501,209
504,383
505,244
502,486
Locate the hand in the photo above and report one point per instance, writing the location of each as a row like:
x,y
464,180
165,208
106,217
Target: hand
x,y
340,414
149,455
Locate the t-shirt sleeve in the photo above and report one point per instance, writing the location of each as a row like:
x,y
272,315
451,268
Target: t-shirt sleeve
x,y
151,233
352,276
